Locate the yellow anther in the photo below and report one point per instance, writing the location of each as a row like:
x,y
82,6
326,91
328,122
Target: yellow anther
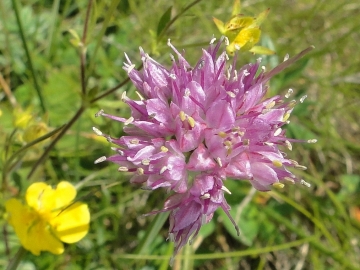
x,y
164,149
191,121
145,162
140,171
222,134
286,117
270,105
277,163
182,116
134,141
278,185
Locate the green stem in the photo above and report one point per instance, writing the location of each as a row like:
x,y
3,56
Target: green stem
x,y
27,52
151,233
7,165
83,49
336,254
111,10
14,263
171,22
65,128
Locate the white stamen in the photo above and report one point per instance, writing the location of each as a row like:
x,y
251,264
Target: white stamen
x,y
286,57
123,96
303,98
231,94
227,57
100,159
237,47
205,196
289,180
201,64
277,132
123,169
168,42
140,171
289,92
172,57
145,162
99,113
187,92
139,95
97,131
134,141
212,40
288,145
172,76
300,167
246,73
303,182
312,141
235,75
269,143
163,169
263,68
225,189
218,160
130,68
226,40
129,121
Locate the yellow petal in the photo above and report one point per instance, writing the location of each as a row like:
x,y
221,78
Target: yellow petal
x,y
19,216
220,25
64,194
261,50
33,232
35,131
42,197
238,22
250,35
261,17
34,194
40,238
72,224
236,7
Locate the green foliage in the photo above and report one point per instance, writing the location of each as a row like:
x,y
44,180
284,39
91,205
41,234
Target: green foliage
x,y
316,228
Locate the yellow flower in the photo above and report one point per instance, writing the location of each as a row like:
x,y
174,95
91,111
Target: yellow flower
x,y
243,32
48,218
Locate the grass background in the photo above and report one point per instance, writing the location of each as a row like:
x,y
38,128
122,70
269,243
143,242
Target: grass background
x,y
293,228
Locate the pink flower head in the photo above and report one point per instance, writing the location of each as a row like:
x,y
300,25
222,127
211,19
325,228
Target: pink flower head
x,y
194,127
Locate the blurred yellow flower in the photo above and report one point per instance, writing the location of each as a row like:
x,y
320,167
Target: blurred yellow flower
x,y
48,218
243,32
35,131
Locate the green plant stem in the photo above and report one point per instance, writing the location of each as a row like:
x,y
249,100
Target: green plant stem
x,y
151,233
337,255
14,263
108,92
65,128
8,162
27,52
171,22
105,24
83,49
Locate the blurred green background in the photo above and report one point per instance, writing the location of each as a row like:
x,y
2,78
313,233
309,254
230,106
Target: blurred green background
x,y
293,228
